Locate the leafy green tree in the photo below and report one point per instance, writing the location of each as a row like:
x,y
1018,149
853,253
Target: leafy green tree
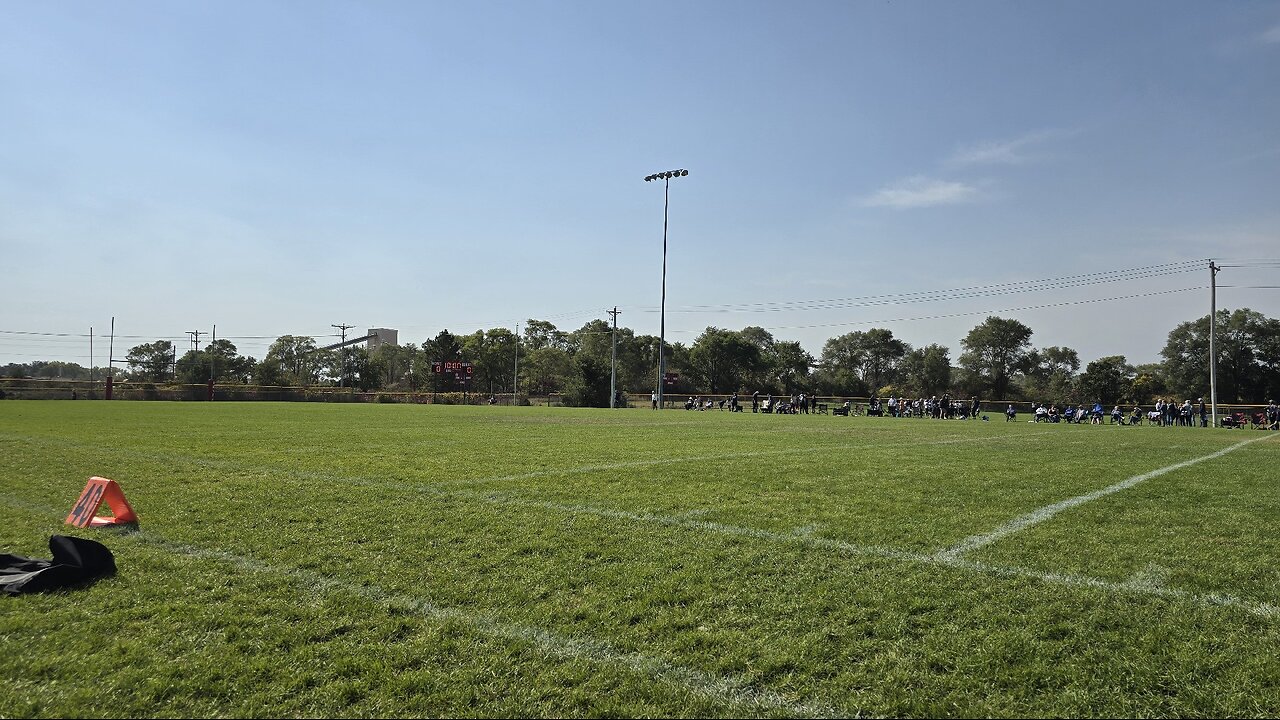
x,y
218,360
269,373
637,361
788,366
883,354
1148,383
592,349
1247,346
367,372
151,361
493,353
764,378
635,373
291,360
594,339
680,363
927,371
862,362
540,334
719,360
587,384
544,371
841,365
1049,373
1108,380
398,363
993,352
444,346
50,369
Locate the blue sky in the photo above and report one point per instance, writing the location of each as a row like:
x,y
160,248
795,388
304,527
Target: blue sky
x,y
275,168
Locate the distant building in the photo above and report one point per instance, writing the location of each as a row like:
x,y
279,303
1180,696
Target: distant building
x,y
382,336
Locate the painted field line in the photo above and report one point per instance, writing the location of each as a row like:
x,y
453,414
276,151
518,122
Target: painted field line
x,y
720,457
1035,517
167,457
692,522
943,559
708,685
715,687
801,536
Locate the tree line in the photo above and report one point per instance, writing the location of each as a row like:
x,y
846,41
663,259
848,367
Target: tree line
x,y
997,362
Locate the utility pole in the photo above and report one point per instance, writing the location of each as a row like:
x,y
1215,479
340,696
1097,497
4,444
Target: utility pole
x,y
515,378
111,351
343,329
1213,327
613,361
195,357
91,376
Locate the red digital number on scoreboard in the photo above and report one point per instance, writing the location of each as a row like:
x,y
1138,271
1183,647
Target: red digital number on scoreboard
x,y
455,367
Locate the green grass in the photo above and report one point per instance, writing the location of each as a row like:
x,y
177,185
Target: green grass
x,y
392,560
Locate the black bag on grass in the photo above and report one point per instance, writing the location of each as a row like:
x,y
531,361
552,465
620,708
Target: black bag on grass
x,y
76,561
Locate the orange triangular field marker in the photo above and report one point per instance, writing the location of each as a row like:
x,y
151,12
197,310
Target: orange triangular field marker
x,y
97,491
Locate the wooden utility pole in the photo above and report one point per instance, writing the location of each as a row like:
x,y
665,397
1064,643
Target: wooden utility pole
x,y
344,328
1213,327
613,361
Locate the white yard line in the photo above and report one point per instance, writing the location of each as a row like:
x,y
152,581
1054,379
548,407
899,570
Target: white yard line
x,y
720,688
1135,586
693,522
973,542
187,460
715,687
743,455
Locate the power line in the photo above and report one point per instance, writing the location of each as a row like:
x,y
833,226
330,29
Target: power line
x,y
1010,288
975,312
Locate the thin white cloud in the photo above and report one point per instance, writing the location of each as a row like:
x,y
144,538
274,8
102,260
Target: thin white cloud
x,y
1004,152
1272,35
920,191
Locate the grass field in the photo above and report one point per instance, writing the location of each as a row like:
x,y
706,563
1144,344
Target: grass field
x,y
395,560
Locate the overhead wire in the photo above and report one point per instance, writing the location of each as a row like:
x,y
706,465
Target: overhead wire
x,y
979,291
990,290
977,312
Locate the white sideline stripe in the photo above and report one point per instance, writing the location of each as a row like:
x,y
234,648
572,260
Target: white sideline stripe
x,y
1211,600
632,464
715,687
552,472
1034,517
1135,586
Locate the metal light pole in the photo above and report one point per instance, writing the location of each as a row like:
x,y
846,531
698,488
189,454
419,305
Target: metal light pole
x,y
662,321
613,361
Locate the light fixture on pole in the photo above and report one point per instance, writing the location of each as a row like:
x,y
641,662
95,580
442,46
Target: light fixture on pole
x,y
662,322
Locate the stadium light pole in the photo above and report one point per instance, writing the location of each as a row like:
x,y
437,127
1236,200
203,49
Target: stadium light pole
x,y
665,177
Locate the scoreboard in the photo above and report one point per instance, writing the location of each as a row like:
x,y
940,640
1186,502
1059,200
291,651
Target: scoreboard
x,y
459,370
